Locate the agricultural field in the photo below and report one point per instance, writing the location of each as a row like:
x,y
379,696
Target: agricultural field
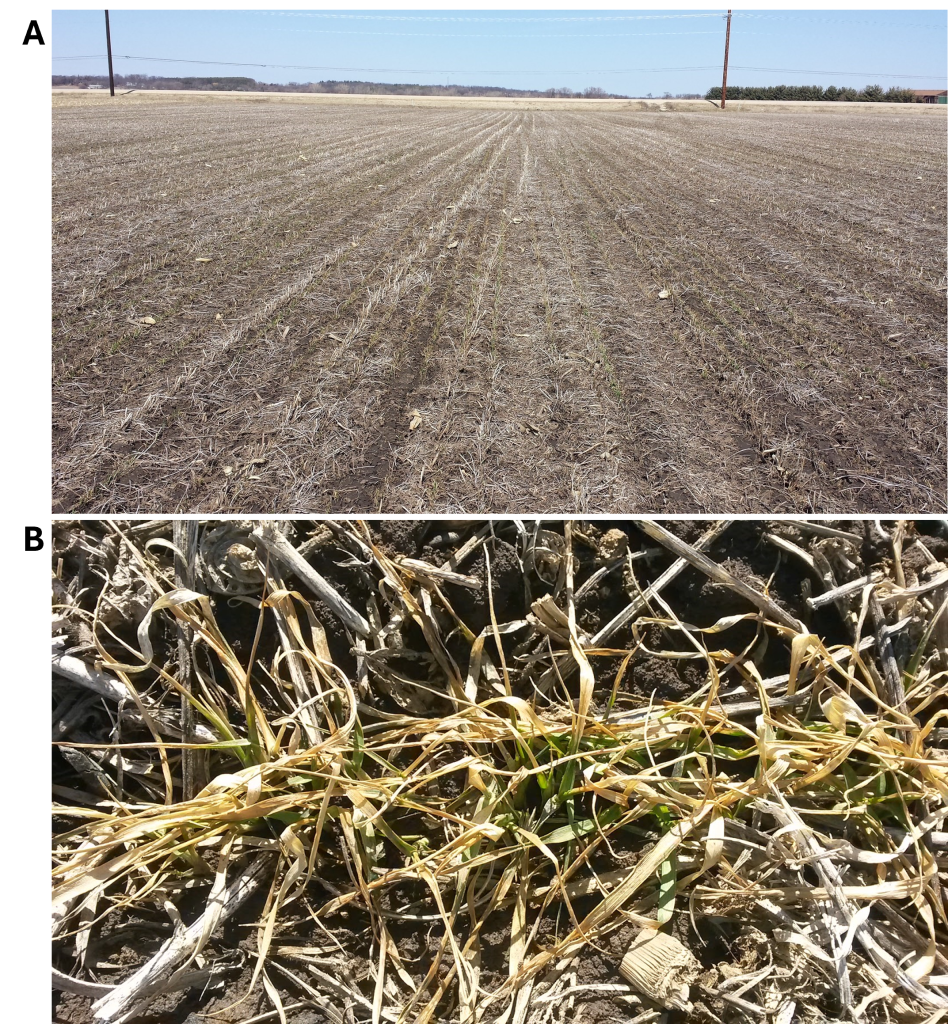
x,y
310,307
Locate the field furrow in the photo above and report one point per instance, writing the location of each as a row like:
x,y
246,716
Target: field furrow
x,y
265,307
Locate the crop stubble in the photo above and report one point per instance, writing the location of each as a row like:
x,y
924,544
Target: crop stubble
x,y
497,272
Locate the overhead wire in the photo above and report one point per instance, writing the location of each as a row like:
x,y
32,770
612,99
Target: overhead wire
x,y
537,18
808,71
737,15
512,35
475,71
801,16
401,71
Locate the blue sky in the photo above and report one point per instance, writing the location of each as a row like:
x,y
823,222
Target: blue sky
x,y
531,49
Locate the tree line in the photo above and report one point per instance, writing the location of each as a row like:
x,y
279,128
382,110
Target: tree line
x,y
870,94
154,82
232,84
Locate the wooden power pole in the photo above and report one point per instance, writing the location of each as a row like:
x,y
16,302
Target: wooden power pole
x,y
727,43
108,46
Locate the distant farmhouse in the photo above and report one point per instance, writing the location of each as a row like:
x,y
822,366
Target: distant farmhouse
x,y
931,95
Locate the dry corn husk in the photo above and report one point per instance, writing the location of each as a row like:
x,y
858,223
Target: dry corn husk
x,y
550,617
660,967
421,570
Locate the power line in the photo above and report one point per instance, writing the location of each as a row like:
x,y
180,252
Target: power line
x,y
412,17
512,35
840,21
462,71
398,71
795,16
853,74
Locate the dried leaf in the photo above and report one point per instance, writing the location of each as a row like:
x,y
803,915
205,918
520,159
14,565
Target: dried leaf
x,y
453,244
664,294
203,259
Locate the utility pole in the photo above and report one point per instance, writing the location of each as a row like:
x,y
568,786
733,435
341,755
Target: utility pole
x,y
727,43
108,45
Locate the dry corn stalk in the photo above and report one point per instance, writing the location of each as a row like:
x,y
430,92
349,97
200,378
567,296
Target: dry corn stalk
x,y
660,967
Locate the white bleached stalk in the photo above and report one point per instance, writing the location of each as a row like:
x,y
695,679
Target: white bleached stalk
x,y
77,671
148,980
281,549
719,574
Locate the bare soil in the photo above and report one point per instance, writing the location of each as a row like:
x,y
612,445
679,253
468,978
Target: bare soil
x,y
323,276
